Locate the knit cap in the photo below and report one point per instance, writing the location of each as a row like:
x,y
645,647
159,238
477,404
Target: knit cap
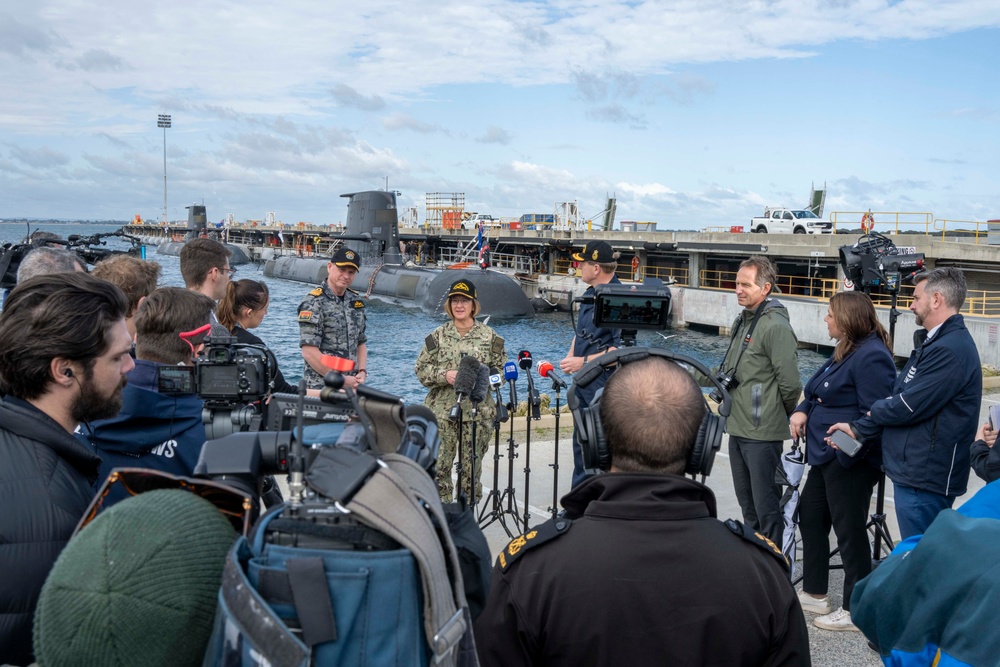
x,y
138,586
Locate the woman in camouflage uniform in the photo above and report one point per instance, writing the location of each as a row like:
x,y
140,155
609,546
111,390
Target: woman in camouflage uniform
x,y
437,367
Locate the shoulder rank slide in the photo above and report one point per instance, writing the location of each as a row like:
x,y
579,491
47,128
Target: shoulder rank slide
x,y
316,292
549,530
752,536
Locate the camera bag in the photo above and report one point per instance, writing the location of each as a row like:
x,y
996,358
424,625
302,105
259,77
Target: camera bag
x,y
402,603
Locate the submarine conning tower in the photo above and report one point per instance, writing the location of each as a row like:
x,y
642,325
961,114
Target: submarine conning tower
x,y
373,214
197,221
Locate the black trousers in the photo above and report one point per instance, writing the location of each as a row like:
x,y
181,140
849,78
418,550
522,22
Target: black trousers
x,y
753,464
839,497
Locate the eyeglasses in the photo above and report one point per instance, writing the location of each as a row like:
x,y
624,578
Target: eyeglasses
x,y
230,271
123,483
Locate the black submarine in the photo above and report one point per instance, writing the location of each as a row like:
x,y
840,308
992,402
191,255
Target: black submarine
x,y
372,231
197,226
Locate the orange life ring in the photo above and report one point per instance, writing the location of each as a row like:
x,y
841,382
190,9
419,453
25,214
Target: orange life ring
x,y
867,222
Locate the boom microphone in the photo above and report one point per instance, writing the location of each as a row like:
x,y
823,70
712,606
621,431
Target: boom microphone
x,y
547,370
481,386
510,373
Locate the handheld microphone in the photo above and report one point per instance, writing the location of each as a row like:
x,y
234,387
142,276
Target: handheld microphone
x,y
495,383
481,386
524,360
547,370
510,373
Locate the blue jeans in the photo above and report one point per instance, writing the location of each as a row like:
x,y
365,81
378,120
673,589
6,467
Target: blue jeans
x,y
916,508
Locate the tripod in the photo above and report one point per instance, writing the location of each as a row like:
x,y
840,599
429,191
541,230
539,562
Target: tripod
x,y
493,507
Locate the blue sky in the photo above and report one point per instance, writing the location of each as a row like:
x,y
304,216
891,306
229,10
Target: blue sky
x,y
693,113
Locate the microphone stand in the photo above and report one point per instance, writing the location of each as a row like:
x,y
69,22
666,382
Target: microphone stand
x,y
534,402
495,510
456,415
472,452
555,460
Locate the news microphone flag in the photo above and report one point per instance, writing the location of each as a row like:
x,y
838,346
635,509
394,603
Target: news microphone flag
x,y
338,364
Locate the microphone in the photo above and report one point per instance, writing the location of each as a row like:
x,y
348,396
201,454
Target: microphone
x,y
465,382
495,382
547,370
510,373
524,360
481,386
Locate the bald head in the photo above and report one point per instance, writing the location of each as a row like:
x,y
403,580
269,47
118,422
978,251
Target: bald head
x,y
651,411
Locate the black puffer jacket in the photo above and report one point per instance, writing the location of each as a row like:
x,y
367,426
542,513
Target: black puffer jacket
x,y
46,479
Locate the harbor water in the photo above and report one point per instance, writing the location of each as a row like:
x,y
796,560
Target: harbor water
x,y
396,333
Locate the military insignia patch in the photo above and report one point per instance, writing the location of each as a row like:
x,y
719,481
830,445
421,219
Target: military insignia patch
x,y
305,316
593,255
549,530
349,255
357,304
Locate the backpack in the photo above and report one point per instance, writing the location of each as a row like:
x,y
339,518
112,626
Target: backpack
x,y
392,594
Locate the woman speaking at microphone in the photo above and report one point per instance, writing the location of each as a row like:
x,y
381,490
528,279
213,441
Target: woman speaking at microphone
x,y
439,365
838,490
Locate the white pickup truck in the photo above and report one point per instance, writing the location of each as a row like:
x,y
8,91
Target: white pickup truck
x,y
790,221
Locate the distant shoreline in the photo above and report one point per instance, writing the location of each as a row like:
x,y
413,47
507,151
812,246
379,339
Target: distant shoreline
x,y
33,222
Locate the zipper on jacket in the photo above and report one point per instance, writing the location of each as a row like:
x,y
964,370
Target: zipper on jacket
x,y
756,393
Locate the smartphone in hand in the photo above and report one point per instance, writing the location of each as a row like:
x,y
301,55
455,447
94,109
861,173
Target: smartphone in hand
x,y
845,443
994,417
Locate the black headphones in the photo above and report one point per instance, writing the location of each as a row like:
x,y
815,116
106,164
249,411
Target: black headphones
x,y
587,418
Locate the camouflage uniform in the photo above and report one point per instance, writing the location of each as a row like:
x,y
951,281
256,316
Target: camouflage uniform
x,y
442,352
333,324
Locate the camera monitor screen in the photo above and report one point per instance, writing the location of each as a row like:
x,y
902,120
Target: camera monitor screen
x,y
616,311
175,379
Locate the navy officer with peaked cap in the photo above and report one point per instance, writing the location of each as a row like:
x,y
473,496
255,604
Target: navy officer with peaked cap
x,y
332,321
639,571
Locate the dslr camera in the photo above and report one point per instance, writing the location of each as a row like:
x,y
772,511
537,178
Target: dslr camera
x,y
728,381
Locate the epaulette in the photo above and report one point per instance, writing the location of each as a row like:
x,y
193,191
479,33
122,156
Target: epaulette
x,y
431,342
549,530
752,536
357,304
316,292
497,347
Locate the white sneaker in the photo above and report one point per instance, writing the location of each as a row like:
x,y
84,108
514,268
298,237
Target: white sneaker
x,y
838,620
814,605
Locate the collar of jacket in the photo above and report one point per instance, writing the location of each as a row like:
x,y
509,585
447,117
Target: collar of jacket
x,y
653,496
955,322
25,420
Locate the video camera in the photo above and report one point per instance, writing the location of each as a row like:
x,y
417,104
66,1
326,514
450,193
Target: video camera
x,y
632,307
332,450
87,248
230,377
875,261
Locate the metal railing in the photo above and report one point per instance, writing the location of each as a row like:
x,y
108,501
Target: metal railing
x,y
891,222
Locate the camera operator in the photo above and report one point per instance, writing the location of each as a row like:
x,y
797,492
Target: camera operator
x,y
64,351
640,571
932,415
155,430
598,264
765,389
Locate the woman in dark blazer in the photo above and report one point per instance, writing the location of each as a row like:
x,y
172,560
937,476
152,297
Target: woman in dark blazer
x,y
838,489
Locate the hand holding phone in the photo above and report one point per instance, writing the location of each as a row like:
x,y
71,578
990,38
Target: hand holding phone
x,y
845,443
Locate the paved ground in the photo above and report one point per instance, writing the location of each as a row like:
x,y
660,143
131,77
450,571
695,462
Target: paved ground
x,y
828,648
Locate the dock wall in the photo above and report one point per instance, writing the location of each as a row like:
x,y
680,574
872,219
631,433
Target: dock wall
x,y
718,308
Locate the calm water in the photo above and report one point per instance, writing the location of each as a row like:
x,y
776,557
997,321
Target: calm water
x,y
396,334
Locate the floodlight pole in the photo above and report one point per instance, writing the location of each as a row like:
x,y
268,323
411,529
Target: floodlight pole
x,y
163,120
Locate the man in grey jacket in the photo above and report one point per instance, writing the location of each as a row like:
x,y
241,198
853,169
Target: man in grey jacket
x,y
761,359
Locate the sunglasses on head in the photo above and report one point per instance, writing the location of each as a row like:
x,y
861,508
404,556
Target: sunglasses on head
x,y
123,483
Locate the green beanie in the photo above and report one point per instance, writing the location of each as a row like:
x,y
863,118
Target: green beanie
x,y
138,586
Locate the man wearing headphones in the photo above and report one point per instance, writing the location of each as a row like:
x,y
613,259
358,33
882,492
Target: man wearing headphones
x,y
640,570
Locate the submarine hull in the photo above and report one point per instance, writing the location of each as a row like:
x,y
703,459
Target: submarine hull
x,y
499,295
173,248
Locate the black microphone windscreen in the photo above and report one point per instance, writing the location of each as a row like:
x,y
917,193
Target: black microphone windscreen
x,y
482,385
465,380
420,410
524,359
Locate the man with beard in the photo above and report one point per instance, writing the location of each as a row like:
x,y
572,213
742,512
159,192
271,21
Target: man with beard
x,y
932,415
64,352
163,431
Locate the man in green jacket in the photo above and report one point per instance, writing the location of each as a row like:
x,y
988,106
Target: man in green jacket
x,y
761,359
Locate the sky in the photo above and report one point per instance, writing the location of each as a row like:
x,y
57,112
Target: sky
x,y
692,113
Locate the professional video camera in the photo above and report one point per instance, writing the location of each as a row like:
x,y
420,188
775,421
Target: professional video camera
x,y
230,377
875,261
88,248
333,449
632,307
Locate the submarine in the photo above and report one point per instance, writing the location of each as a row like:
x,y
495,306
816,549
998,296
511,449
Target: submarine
x,y
198,226
372,231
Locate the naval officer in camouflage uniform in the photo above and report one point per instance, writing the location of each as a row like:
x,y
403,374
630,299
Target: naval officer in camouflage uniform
x,y
332,321
437,367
